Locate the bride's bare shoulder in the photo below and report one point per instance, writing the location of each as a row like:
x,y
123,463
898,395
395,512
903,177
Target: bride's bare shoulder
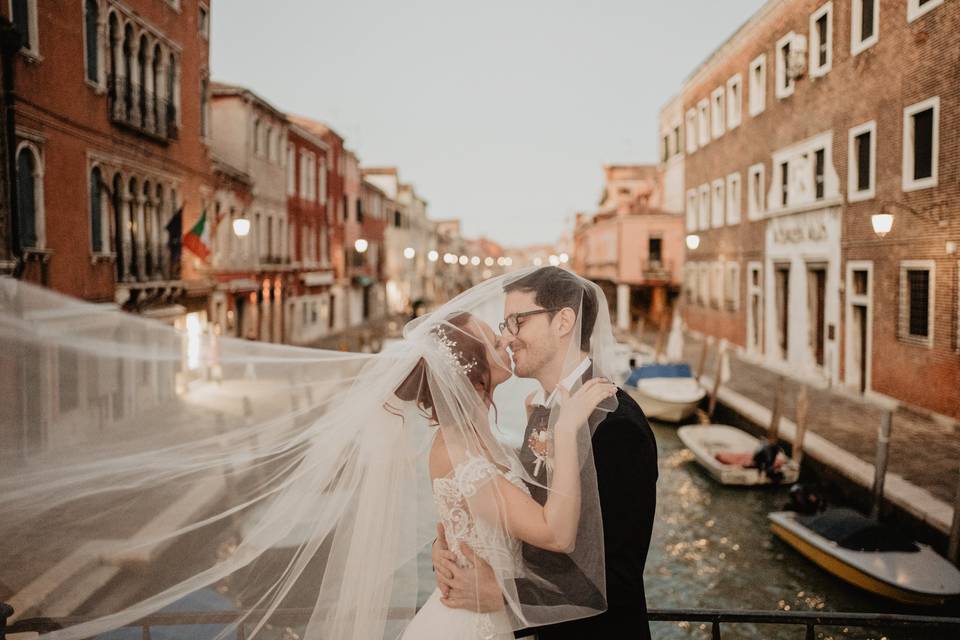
x,y
440,464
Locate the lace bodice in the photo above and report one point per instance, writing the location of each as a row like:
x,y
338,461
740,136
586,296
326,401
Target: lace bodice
x,y
488,539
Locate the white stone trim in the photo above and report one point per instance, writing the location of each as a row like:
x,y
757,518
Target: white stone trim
x,y
758,86
816,70
756,198
718,109
909,183
857,43
703,221
691,210
717,202
915,10
734,198
690,132
32,51
734,101
39,170
853,195
755,342
703,122
785,86
865,300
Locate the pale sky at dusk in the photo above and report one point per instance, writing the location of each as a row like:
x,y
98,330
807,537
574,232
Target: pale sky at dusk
x,y
501,113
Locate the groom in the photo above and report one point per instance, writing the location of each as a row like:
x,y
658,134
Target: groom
x,y
625,457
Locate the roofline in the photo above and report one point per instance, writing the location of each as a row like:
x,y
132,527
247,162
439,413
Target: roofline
x,y
227,90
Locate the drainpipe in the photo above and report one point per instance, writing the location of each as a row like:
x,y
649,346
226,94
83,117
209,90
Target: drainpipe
x,y
9,47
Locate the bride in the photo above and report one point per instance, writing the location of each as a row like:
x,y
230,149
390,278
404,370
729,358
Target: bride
x,y
150,470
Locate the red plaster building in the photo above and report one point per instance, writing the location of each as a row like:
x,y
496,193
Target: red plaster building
x,y
112,119
814,121
631,247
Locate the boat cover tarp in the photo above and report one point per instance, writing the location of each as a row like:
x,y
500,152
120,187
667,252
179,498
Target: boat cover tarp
x,y
854,531
647,371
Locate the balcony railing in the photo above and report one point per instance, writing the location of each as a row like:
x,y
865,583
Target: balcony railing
x,y
810,620
133,107
657,270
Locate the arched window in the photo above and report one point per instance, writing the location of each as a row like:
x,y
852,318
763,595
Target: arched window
x,y
118,228
157,90
92,17
144,100
127,94
204,107
270,139
24,18
29,198
149,228
172,91
132,234
96,211
256,135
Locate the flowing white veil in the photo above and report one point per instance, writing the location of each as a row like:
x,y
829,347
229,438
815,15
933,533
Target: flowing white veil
x,y
145,469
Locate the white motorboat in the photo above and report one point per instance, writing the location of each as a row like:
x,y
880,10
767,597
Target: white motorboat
x,y
725,452
665,392
869,555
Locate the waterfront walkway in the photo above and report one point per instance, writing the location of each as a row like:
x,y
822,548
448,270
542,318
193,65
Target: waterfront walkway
x,y
924,457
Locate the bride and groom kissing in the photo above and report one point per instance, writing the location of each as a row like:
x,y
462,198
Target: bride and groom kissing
x,y
564,553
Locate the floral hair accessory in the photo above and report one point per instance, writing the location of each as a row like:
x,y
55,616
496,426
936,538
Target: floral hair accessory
x,y
447,348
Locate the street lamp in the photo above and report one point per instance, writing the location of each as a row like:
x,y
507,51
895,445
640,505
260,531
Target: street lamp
x,y
554,260
449,258
241,227
475,260
693,241
433,256
488,261
564,258
361,245
464,260
881,223
409,253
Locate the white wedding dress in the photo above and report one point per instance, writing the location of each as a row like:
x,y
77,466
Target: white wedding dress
x,y
435,621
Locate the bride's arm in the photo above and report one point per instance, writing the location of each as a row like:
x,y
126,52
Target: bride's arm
x,y
554,525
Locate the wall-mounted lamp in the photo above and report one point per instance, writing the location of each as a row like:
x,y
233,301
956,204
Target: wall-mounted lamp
x,y
361,245
241,227
693,241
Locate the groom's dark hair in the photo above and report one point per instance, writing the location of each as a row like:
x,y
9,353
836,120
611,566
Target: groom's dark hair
x,y
556,288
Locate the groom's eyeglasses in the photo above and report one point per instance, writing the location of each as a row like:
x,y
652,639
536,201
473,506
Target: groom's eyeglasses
x,y
512,321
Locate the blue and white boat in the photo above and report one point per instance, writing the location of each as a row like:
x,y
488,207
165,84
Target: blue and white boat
x,y
666,392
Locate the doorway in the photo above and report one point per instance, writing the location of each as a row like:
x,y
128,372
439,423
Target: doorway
x,y
859,288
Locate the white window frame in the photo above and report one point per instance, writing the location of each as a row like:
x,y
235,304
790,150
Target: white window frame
x,y
857,43
718,116
703,122
784,90
691,130
731,285
903,312
865,300
40,211
291,170
717,202
755,343
33,51
692,210
915,10
755,200
853,195
734,198
703,211
204,26
703,283
322,180
734,101
716,285
909,183
817,71
758,91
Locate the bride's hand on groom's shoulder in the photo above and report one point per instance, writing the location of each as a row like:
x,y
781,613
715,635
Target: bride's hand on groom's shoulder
x,y
576,409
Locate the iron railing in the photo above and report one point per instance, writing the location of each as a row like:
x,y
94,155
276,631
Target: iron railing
x,y
714,617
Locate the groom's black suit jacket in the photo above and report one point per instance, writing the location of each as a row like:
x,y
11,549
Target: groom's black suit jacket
x,y
625,457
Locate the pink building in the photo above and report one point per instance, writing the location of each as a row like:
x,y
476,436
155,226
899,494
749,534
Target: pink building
x,y
630,246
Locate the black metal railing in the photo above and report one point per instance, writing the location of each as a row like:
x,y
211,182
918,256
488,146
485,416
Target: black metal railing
x,y
810,620
132,106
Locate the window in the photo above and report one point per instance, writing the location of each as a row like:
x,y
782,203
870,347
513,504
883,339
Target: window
x,y
785,82
257,148
655,249
271,146
291,170
703,283
690,282
691,134
30,197
96,211
676,139
731,286
755,192
23,15
716,218
322,181
717,123
665,151
205,107
758,85
917,8
784,174
734,101
862,162
921,144
819,159
865,19
704,209
203,21
716,285
92,40
691,209
916,301
821,40
703,122
733,198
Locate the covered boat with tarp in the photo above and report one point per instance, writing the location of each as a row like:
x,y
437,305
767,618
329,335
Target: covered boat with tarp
x,y
666,392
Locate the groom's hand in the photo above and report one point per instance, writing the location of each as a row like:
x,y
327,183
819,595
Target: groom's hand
x,y
439,553
474,588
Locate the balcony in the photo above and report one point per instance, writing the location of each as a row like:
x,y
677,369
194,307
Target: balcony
x,y
141,111
657,270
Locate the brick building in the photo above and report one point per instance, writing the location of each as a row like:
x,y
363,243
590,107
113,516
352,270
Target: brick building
x,y
811,124
112,122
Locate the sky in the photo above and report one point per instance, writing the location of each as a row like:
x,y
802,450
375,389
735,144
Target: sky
x,y
500,113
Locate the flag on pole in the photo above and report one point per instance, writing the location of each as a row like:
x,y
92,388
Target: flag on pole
x,y
198,238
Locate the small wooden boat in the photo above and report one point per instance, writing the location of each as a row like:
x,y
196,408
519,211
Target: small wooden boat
x,y
727,453
870,555
665,392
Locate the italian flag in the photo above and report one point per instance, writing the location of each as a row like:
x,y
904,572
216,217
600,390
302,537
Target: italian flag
x,y
198,238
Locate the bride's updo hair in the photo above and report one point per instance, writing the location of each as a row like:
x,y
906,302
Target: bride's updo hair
x,y
470,353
